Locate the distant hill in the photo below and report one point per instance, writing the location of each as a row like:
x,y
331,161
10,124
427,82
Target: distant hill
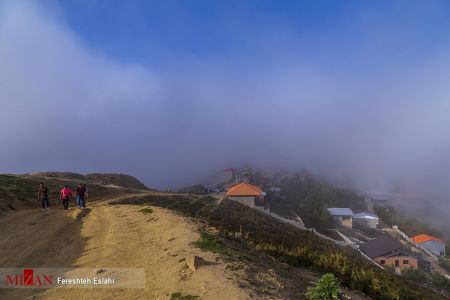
x,y
60,175
117,179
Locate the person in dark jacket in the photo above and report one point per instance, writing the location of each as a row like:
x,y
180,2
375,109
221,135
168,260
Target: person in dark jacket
x,y
81,194
43,197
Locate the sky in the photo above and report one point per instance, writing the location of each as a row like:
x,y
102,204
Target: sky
x,y
173,91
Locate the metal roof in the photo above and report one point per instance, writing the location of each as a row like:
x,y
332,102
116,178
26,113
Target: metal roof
x,y
337,211
380,246
422,238
365,215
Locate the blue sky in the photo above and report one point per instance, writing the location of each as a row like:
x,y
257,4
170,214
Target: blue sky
x,y
172,91
340,35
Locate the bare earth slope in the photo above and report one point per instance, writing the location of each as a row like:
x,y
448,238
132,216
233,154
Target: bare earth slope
x,y
113,237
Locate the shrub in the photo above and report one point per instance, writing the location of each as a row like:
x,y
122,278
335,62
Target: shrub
x,y
415,275
326,288
444,264
440,281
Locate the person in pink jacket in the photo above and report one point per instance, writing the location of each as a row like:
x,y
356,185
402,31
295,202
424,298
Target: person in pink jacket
x,y
65,195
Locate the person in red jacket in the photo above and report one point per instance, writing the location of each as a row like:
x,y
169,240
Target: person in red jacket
x,y
65,195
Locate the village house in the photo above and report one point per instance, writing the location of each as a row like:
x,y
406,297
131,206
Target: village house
x,y
342,216
245,193
430,243
366,219
388,251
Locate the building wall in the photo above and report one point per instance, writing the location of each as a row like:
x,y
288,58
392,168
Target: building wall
x,y
343,221
249,201
434,247
347,222
390,261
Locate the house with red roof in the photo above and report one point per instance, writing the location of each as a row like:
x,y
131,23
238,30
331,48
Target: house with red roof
x,y
430,243
245,193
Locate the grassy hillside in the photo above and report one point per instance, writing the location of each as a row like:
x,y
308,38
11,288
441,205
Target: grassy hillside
x,y
287,244
117,179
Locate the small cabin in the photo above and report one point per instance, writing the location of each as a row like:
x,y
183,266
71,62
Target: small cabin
x,y
245,193
366,219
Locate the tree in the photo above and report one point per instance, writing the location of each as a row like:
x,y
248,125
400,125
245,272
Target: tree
x,y
326,288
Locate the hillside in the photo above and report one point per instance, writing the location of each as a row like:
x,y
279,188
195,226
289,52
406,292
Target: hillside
x,y
117,179
254,231
128,235
249,254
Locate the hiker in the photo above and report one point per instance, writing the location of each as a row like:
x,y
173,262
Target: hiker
x,y
65,195
86,194
78,196
43,196
81,193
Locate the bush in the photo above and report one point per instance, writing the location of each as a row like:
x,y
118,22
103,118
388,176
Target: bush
x,y
445,264
326,288
440,281
415,275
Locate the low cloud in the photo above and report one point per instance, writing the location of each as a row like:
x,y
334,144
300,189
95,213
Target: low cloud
x,y
65,106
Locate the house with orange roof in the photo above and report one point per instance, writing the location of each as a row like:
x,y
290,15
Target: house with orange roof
x,y
245,193
430,243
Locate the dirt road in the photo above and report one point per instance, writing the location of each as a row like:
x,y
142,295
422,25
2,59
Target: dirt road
x,y
118,236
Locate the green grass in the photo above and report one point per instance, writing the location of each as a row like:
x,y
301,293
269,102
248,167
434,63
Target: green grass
x,y
213,243
146,210
179,296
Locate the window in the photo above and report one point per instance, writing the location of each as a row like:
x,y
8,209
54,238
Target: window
x,y
406,262
397,263
382,261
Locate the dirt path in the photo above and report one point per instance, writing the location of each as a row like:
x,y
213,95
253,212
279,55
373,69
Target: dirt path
x,y
113,237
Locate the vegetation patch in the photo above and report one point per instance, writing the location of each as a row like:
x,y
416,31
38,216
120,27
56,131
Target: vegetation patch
x,y
326,288
445,264
146,210
213,243
180,296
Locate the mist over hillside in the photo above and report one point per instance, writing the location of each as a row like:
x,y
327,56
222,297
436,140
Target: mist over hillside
x,y
369,109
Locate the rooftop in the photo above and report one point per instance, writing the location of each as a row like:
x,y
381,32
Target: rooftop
x,y
365,215
244,189
422,238
380,246
337,211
